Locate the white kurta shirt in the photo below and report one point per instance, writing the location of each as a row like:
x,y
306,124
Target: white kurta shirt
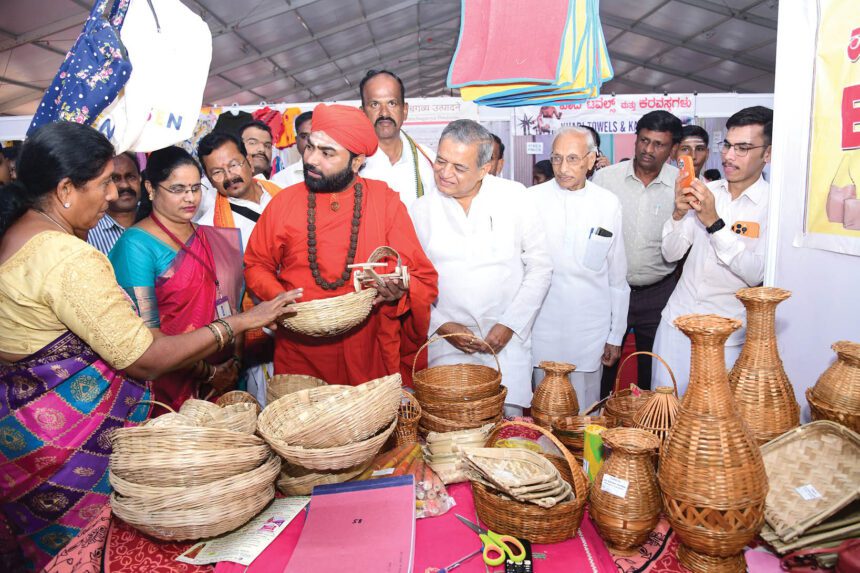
x,y
586,305
289,175
719,264
245,225
401,175
493,267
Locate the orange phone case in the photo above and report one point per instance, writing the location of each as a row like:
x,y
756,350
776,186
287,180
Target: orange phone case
x,y
749,229
688,171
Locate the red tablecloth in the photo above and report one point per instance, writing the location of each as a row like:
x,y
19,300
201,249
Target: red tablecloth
x,y
439,541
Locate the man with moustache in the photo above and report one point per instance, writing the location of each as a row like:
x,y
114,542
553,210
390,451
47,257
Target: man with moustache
x,y
646,188
257,137
584,316
122,211
497,162
487,241
725,224
295,172
309,235
240,197
406,166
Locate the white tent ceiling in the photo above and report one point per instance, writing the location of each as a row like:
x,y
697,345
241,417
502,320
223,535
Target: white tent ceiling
x,y
312,50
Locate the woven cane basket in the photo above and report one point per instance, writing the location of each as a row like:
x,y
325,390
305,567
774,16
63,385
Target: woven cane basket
x,y
331,415
282,384
836,394
202,511
331,316
658,414
335,458
794,460
625,522
408,416
527,520
240,417
570,431
300,481
622,405
469,412
201,411
430,423
237,397
455,382
554,397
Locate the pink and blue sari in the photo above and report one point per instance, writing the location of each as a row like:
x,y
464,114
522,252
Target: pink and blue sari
x,y
58,408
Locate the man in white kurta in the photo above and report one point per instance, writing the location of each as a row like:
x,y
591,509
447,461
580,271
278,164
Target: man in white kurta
x,y
485,239
583,318
725,223
405,165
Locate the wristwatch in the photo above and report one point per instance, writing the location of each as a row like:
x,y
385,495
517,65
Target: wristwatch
x,y
718,224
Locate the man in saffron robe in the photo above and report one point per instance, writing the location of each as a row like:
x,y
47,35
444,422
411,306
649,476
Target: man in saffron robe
x,y
306,238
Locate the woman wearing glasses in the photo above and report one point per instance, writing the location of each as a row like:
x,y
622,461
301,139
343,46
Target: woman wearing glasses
x,y
182,275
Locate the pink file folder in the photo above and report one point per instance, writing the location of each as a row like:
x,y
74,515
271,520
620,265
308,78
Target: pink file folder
x,y
358,526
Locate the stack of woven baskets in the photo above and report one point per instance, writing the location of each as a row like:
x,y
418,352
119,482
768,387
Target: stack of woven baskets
x,y
330,434
458,396
193,474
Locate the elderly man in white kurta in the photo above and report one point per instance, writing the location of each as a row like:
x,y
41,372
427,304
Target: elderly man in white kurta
x,y
487,243
583,318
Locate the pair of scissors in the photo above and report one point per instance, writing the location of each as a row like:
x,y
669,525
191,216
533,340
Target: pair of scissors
x,y
502,546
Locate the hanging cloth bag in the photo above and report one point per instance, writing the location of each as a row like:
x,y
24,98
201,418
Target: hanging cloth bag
x,y
93,73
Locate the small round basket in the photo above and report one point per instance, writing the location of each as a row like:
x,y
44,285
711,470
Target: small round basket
x,y
408,417
455,382
300,481
527,520
331,316
282,384
241,417
331,415
201,411
237,397
570,431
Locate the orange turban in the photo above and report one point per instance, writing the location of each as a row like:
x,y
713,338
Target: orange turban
x,y
346,125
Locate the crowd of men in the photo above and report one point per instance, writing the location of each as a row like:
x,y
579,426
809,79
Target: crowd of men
x,y
563,271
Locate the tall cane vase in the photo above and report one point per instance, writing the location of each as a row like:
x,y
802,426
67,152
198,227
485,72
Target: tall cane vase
x,y
759,385
555,397
711,473
625,500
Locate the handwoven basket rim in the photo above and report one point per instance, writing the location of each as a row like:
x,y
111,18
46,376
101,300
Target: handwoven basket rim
x,y
763,294
631,440
847,347
707,324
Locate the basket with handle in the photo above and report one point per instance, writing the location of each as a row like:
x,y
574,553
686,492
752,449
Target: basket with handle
x,y
455,382
659,412
282,384
408,416
481,409
527,520
622,405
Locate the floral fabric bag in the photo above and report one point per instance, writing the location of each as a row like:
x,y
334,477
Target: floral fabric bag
x,y
93,73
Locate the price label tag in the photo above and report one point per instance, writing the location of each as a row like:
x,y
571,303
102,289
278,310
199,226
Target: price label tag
x,y
808,492
385,472
615,485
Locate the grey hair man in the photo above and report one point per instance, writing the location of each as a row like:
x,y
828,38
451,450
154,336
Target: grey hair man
x,y
485,239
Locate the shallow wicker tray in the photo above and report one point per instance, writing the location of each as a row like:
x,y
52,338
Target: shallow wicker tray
x,y
823,454
331,316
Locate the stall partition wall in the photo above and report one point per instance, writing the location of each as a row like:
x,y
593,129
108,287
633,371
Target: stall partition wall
x,y
825,302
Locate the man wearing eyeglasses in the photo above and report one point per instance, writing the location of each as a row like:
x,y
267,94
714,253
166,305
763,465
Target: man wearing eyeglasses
x,y
724,222
486,240
584,315
646,188
694,142
257,137
239,201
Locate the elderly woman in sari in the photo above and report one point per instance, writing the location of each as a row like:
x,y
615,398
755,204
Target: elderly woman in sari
x,y
73,352
181,275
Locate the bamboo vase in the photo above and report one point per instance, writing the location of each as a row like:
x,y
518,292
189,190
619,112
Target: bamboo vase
x,y
625,500
555,397
711,472
759,385
836,395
